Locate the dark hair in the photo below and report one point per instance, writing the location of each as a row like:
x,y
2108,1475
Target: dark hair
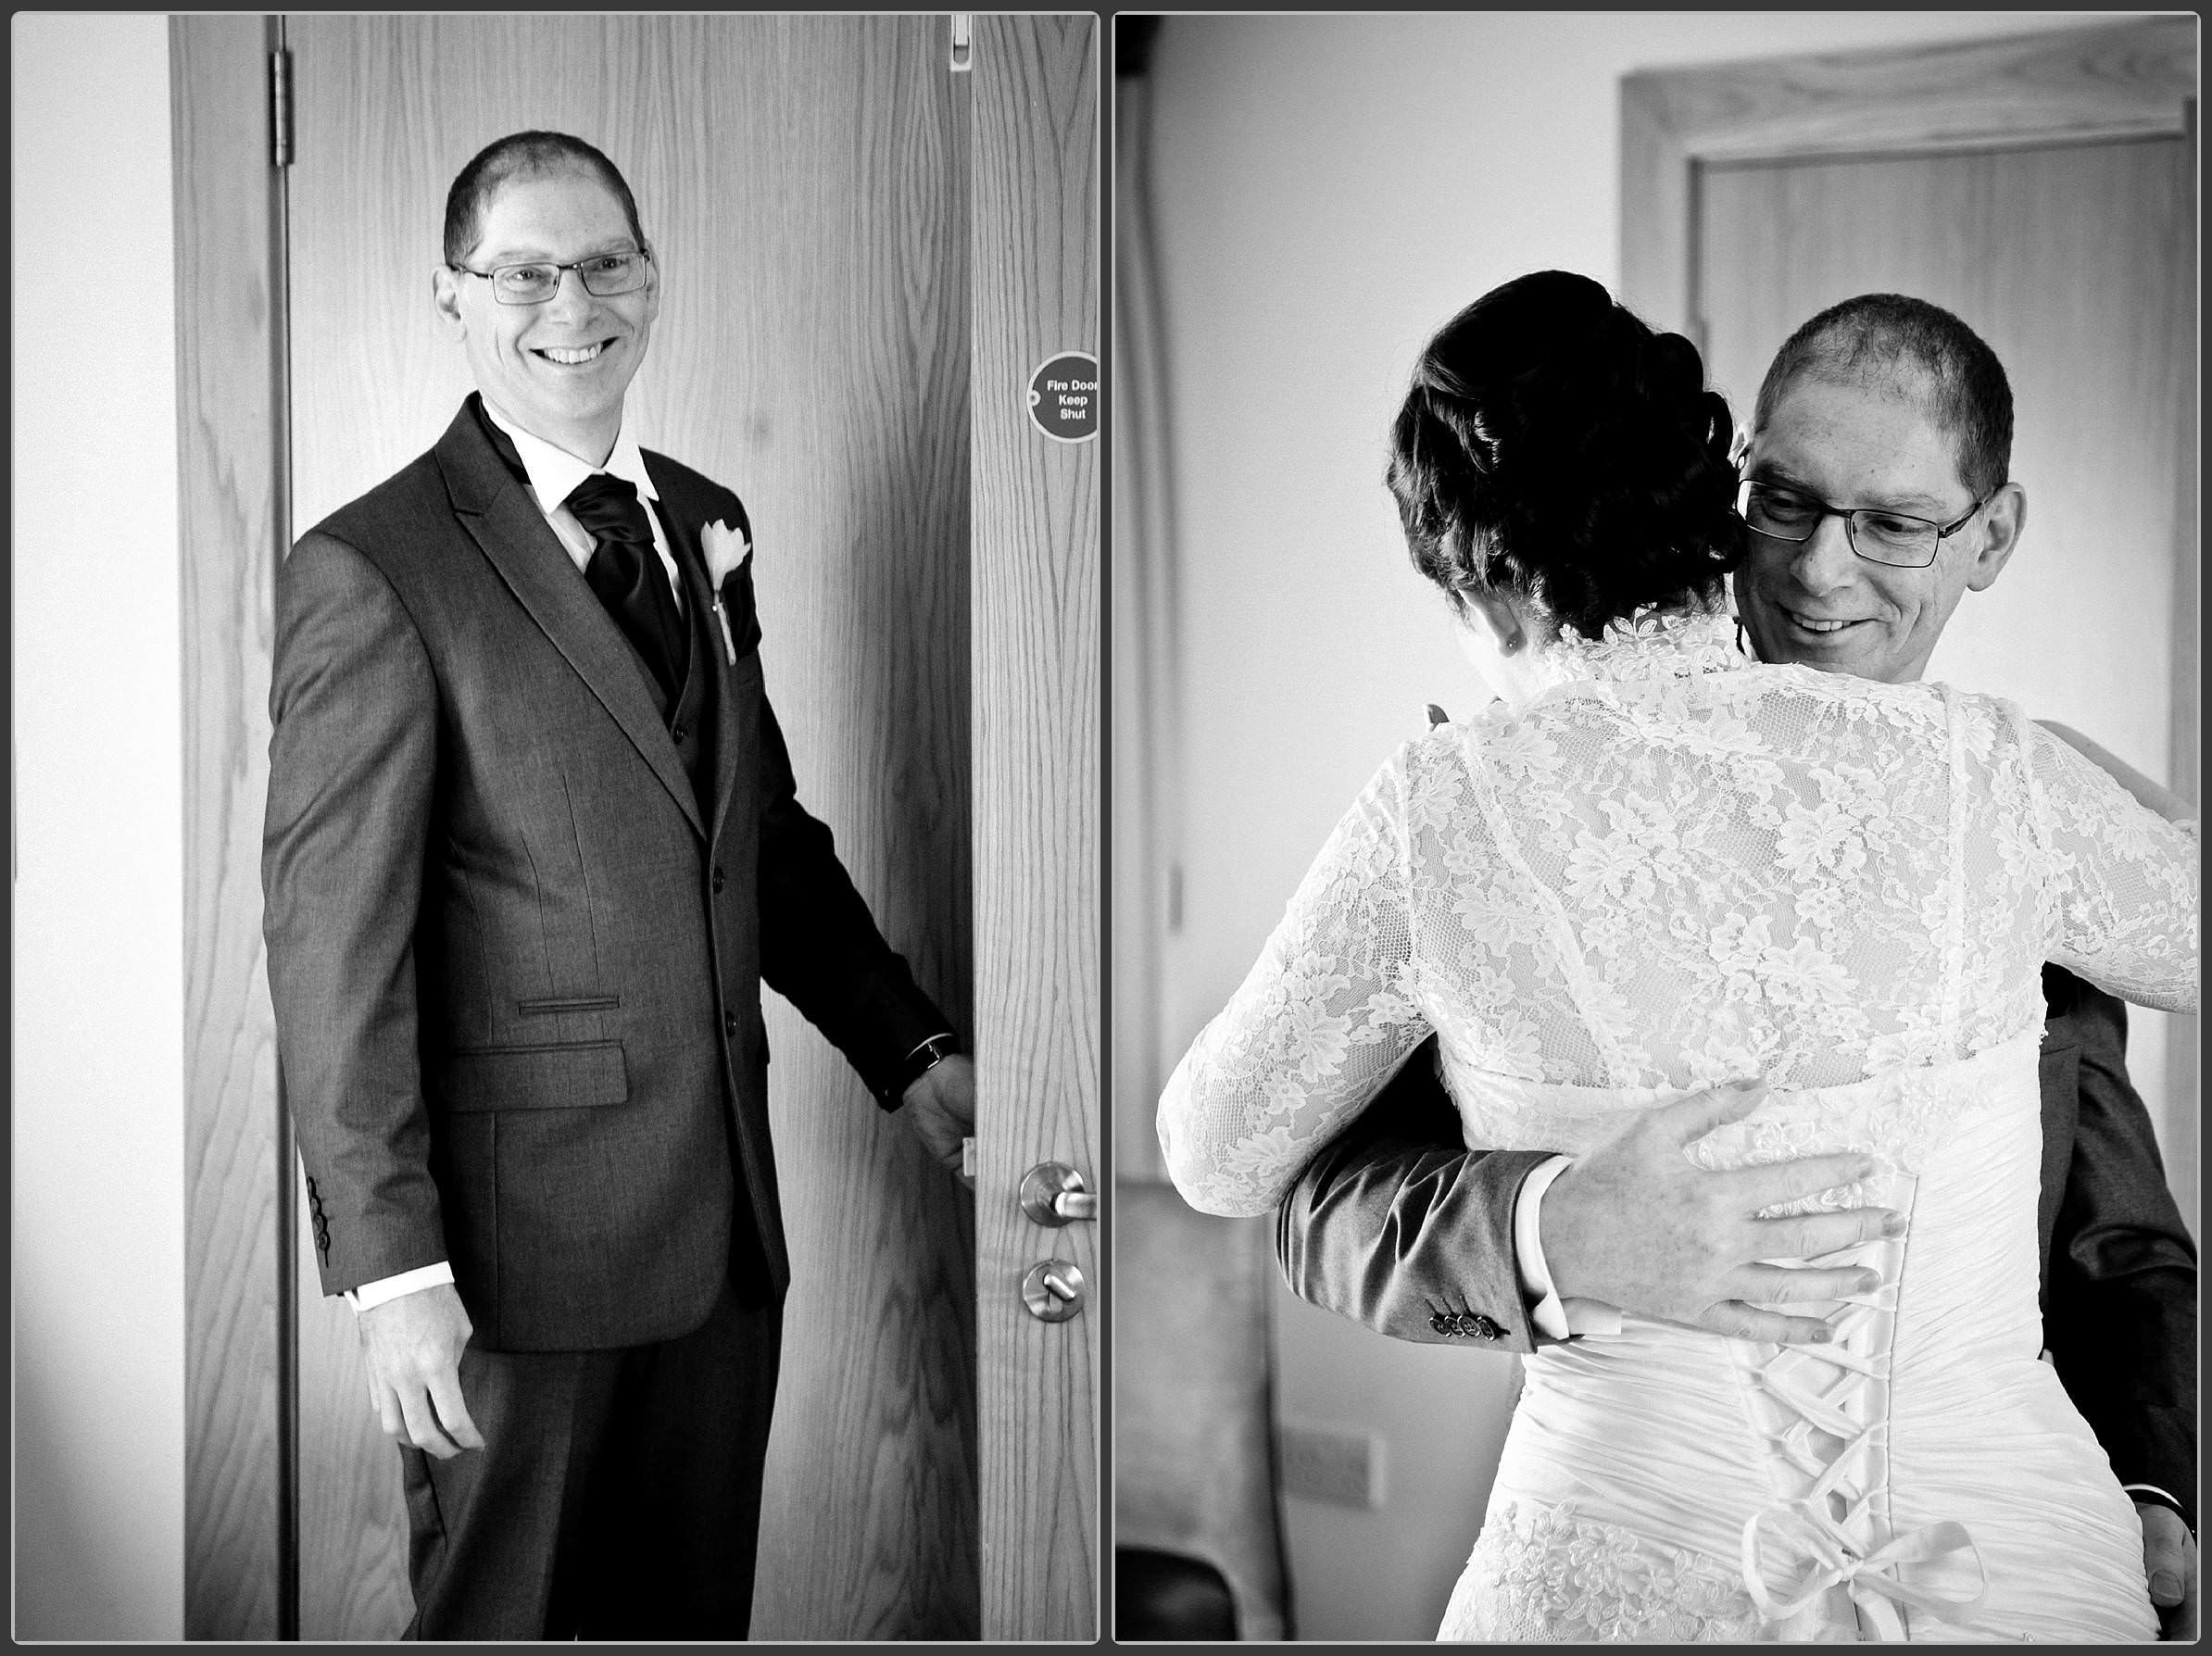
x,y
1553,446
1931,355
523,155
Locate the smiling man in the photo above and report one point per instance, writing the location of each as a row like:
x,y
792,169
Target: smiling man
x,y
1874,476
531,846
1875,483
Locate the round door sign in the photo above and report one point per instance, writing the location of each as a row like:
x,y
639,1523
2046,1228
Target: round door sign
x,y
1063,397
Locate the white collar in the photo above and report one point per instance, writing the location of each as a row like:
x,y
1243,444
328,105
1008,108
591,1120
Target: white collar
x,y
554,471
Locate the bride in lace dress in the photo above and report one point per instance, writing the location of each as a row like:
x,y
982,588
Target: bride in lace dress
x,y
1661,867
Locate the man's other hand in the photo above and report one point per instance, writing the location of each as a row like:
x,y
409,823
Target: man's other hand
x,y
940,1107
1639,1225
414,1344
2170,1559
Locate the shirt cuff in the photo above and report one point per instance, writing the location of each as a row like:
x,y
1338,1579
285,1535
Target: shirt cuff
x,y
373,1294
1546,1312
1551,1316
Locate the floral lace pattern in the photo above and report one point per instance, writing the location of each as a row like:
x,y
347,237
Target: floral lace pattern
x,y
1672,868
1544,1572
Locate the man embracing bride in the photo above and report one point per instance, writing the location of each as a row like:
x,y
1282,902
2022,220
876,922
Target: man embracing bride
x,y
1662,865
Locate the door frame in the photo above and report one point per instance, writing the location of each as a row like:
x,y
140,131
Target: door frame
x,y
2131,80
2098,83
241,1573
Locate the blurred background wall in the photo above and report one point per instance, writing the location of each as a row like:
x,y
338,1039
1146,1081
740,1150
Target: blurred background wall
x,y
97,1263
1317,196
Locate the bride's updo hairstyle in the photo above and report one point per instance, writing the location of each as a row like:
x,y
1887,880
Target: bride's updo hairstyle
x,y
1554,448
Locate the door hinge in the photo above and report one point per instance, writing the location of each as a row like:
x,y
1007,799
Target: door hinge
x,y
280,107
964,25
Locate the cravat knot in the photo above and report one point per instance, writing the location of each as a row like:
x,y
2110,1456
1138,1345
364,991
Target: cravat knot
x,y
608,506
625,572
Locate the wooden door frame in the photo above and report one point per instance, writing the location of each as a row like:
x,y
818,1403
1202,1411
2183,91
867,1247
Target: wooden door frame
x,y
2107,81
240,1572
2133,80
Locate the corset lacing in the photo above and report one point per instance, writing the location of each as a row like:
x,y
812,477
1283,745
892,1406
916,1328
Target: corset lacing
x,y
1824,1412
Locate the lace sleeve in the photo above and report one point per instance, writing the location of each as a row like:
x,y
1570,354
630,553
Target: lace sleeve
x,y
2126,883
1322,1020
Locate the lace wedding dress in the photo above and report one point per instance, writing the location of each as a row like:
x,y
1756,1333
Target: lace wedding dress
x,y
1672,868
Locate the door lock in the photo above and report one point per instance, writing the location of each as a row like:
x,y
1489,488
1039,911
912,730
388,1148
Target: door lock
x,y
1053,1290
1054,1193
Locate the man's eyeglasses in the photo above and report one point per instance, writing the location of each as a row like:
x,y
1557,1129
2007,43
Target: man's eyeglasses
x,y
604,276
1875,535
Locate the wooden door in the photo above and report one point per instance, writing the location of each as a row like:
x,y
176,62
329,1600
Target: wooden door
x,y
2043,190
1037,810
804,184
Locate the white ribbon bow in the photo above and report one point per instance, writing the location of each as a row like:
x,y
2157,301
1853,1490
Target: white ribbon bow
x,y
1833,1563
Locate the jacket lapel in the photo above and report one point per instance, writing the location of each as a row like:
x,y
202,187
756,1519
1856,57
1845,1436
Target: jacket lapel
x,y
681,519
499,514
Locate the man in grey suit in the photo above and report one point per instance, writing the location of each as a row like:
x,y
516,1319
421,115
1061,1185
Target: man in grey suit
x,y
532,847
1397,1223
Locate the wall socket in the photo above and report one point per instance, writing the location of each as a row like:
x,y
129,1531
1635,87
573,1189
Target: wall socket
x,y
1344,1468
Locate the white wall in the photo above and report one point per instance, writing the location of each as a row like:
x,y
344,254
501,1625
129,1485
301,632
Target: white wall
x,y
1329,191
98,1075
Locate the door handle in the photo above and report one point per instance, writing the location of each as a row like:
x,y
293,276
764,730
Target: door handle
x,y
1054,1193
1053,1290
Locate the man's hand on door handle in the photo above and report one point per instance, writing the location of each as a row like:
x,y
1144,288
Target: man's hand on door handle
x,y
940,1107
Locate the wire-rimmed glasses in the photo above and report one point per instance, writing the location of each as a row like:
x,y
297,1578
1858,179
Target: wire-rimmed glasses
x,y
1875,533
604,276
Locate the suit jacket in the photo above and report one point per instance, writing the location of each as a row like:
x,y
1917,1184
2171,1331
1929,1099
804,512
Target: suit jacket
x,y
515,954
1399,1226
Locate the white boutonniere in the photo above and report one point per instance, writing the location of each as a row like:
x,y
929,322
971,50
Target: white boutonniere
x,y
727,551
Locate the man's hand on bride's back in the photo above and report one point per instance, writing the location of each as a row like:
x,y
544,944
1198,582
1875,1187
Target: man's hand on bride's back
x,y
1635,1224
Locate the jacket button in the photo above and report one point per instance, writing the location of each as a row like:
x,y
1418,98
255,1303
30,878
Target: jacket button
x,y
1466,1325
729,1023
676,730
720,880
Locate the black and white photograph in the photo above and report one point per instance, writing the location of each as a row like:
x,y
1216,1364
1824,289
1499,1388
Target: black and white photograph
x,y
573,565
1654,714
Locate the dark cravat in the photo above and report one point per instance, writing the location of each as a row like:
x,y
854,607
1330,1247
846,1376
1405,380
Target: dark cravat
x,y
627,574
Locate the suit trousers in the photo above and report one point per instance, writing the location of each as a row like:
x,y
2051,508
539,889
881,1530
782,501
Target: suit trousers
x,y
617,1496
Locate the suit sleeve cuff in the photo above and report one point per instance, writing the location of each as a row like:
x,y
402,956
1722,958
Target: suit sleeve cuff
x,y
373,1294
1551,1316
